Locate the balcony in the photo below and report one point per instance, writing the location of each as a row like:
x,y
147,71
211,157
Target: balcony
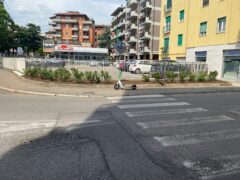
x,y
85,37
146,21
56,20
69,20
131,3
74,29
57,35
133,27
145,6
85,29
132,39
167,29
87,22
145,49
132,14
132,51
167,8
74,36
52,23
145,35
57,27
122,23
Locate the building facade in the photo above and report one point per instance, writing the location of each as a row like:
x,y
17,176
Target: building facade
x,y
203,31
135,30
73,28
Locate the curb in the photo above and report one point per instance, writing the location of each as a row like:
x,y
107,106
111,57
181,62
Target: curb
x,y
48,94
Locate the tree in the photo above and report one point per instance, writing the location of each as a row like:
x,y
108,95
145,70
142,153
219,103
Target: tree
x,y
6,29
105,39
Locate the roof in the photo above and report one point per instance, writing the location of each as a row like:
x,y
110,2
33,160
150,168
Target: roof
x,y
70,13
119,9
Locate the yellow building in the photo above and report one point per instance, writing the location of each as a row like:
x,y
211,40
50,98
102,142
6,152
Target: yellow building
x,y
202,30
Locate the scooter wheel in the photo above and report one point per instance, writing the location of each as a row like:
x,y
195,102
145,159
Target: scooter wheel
x,y
116,86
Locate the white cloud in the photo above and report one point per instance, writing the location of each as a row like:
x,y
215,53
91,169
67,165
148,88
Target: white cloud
x,y
39,11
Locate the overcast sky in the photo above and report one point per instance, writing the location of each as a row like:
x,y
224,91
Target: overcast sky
x,y
39,11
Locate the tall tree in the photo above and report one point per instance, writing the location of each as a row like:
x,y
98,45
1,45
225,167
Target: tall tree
x,y
6,29
105,39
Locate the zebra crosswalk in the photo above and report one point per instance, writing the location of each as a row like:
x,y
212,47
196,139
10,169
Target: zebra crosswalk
x,y
158,113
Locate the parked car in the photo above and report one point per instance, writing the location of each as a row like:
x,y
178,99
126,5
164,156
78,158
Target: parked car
x,y
93,63
104,63
140,66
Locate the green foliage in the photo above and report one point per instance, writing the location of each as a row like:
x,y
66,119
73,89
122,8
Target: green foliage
x,y
183,75
157,76
62,74
192,77
32,72
212,76
78,76
171,76
202,77
46,74
96,77
105,39
106,76
88,75
146,78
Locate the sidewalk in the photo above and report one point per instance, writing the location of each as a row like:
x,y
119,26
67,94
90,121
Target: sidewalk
x,y
9,81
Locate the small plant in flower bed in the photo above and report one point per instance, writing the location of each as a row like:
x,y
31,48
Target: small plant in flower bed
x,y
202,77
146,78
106,76
192,77
77,75
62,74
46,74
157,76
171,76
213,76
183,75
32,72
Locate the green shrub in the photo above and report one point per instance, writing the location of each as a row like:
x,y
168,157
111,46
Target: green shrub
x,y
202,77
88,75
106,76
96,77
78,76
183,75
171,76
146,78
213,76
46,74
157,76
62,74
192,77
32,72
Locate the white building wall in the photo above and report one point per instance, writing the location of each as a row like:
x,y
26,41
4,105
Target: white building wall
x,y
215,59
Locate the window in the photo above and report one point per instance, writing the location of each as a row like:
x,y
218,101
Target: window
x,y
205,3
180,40
181,16
221,26
66,33
203,29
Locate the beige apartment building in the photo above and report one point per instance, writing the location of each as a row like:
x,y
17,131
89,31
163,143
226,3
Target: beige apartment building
x,y
135,30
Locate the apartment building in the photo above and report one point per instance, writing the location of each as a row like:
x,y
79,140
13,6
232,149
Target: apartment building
x,y
99,30
73,28
135,30
203,31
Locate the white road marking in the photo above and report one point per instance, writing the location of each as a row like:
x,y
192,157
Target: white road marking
x,y
142,100
183,122
162,112
131,106
229,165
198,138
135,97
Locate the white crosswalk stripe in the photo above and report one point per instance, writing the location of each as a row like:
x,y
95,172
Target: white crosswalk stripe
x,y
164,112
184,122
142,100
132,106
135,97
188,139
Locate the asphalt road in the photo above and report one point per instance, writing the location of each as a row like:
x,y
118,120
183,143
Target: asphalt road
x,y
184,136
